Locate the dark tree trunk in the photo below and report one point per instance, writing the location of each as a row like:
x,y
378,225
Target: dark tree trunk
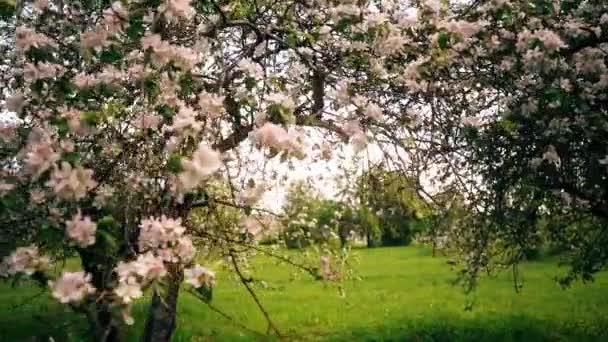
x,y
106,328
99,315
162,312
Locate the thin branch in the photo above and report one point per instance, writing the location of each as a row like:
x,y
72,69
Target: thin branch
x,y
245,282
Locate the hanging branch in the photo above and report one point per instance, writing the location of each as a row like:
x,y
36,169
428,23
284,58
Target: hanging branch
x,y
245,281
223,314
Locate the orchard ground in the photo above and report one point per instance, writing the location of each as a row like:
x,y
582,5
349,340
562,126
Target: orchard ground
x,y
404,295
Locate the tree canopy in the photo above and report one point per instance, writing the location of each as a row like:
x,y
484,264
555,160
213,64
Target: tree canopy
x,y
120,116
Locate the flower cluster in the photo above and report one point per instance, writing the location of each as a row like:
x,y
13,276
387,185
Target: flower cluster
x,y
205,161
159,233
163,52
278,138
198,276
114,19
81,230
23,260
133,275
72,287
70,182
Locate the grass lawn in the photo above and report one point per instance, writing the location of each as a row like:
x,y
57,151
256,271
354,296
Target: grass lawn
x,y
404,295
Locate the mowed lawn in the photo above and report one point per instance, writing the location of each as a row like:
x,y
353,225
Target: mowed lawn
x,y
404,295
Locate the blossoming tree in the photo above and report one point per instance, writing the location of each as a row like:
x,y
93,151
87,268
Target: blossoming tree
x,y
127,111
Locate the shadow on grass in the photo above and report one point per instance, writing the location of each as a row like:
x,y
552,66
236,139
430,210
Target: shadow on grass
x,y
499,328
494,329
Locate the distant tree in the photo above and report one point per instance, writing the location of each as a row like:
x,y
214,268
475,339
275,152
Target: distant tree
x,y
392,198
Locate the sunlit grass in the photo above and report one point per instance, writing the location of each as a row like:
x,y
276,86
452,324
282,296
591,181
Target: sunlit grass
x,y
404,294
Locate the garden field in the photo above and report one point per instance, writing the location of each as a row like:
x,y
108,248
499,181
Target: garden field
x,y
404,295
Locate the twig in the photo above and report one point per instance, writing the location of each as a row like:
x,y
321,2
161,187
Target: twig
x,y
245,282
27,300
223,314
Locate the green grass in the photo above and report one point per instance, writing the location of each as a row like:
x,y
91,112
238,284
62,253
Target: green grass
x,y
404,295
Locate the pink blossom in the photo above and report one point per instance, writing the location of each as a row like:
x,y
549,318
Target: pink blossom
x,y
277,138
147,267
128,290
173,227
74,120
175,10
66,146
96,39
251,68
117,12
25,38
83,80
126,315
158,233
344,10
373,111
41,5
471,121
5,187
8,130
25,260
211,104
270,135
124,270
110,75
551,155
205,161
15,103
37,196
185,249
185,122
198,276
151,234
151,41
164,52
40,157
357,136
150,267
252,195
146,121
326,151
466,29
81,229
281,99
33,72
185,57
72,287
71,182
551,40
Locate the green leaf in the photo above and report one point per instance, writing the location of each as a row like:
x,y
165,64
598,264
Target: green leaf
x,y
91,118
291,40
108,238
174,164
110,55
107,223
166,111
71,157
206,293
62,126
443,40
151,88
343,24
7,9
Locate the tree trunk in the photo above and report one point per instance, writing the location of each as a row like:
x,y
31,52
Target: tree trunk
x,y
103,325
106,328
162,312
